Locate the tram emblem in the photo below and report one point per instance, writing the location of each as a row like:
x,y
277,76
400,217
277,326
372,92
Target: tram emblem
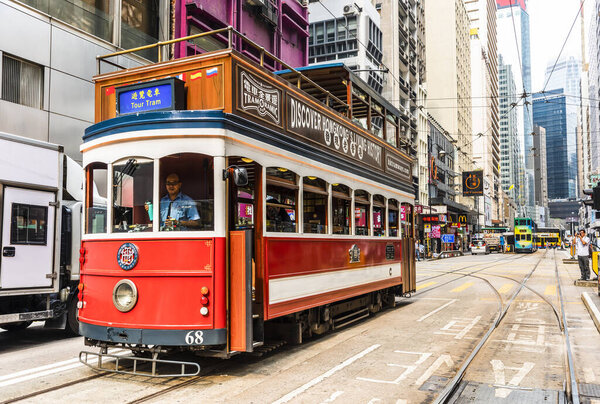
x,y
127,256
260,97
354,253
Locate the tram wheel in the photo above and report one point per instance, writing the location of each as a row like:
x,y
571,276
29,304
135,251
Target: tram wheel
x,y
72,327
21,325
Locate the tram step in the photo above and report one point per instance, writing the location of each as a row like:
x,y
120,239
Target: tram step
x,y
267,347
348,319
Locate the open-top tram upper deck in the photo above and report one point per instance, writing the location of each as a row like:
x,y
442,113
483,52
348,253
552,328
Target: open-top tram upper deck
x,y
324,216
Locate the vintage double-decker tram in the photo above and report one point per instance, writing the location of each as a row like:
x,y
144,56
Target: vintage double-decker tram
x,y
235,205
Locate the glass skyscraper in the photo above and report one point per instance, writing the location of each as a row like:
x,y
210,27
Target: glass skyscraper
x,y
550,112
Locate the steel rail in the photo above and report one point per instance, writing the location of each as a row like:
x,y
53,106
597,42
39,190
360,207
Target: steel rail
x,y
572,383
450,388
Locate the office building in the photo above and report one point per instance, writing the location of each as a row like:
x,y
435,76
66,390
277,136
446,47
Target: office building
x,y
550,112
511,160
48,58
514,46
449,76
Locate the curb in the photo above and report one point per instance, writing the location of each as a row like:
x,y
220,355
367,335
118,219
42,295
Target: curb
x,y
594,312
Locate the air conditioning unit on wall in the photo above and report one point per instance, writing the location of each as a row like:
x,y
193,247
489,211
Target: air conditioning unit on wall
x,y
349,9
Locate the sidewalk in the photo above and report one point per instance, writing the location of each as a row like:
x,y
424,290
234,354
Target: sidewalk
x,y
592,303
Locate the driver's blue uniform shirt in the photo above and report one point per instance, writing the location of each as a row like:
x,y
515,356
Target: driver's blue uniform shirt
x,y
182,208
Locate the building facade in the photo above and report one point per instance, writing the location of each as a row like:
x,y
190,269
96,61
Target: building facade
x,y
594,87
449,76
279,26
511,160
514,46
47,96
566,75
403,25
484,102
550,112
338,32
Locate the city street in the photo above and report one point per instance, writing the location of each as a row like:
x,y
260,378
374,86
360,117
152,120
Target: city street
x,y
407,354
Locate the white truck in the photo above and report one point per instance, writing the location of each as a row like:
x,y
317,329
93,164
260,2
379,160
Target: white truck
x,y
40,232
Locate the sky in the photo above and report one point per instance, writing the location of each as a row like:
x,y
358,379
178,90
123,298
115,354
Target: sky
x,y
550,21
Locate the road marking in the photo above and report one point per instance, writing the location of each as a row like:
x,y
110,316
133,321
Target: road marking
x,y
461,334
505,288
500,377
34,373
462,287
325,375
425,285
435,366
408,368
550,290
438,309
332,398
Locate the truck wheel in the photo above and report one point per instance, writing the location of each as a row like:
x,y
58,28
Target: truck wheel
x,y
72,327
21,325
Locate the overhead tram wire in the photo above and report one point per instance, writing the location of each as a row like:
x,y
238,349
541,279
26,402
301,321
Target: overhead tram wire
x,y
563,46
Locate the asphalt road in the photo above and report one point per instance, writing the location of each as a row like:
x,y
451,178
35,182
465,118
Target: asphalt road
x,y
403,355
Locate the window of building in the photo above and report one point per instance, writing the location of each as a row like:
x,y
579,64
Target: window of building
x,y
362,206
378,215
341,202
29,224
96,197
281,197
91,16
132,195
22,82
393,217
314,203
186,192
139,26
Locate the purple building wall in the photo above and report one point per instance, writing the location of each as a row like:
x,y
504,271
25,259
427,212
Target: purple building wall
x,y
280,26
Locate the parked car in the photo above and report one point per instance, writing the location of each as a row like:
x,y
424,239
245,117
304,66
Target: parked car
x,y
479,246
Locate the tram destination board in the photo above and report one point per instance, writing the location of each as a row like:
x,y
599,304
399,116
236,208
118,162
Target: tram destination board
x,y
158,95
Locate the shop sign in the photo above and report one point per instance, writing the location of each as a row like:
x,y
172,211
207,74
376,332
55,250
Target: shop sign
x,y
456,225
443,218
472,183
430,218
427,228
462,218
435,232
419,209
403,213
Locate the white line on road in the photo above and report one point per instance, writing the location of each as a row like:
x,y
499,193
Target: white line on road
x,y
34,373
325,375
435,366
332,398
438,309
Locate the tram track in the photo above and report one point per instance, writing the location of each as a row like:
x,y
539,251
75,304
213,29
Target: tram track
x,y
451,389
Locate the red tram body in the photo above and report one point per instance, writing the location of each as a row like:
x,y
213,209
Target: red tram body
x,y
319,235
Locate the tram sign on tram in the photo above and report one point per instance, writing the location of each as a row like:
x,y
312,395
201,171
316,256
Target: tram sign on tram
x,y
473,183
158,95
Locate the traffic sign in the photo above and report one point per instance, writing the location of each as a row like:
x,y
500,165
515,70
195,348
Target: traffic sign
x,y
447,238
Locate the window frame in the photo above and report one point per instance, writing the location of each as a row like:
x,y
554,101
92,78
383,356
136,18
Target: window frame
x,y
15,206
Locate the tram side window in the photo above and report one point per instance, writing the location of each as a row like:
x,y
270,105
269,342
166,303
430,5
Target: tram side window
x,y
361,212
95,201
378,215
314,202
186,191
341,201
132,194
281,196
393,217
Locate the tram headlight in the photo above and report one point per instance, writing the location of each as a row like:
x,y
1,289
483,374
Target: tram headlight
x,y
125,295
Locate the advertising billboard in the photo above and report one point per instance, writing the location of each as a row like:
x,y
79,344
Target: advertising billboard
x,y
472,183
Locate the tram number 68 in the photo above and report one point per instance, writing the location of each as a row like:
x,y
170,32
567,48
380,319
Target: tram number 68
x,y
194,338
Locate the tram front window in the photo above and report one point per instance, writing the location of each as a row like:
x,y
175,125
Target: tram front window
x,y
186,192
97,176
132,193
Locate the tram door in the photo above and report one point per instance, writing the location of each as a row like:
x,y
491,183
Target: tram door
x,y
245,292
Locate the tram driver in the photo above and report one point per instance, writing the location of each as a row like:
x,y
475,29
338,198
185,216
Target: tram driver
x,y
177,210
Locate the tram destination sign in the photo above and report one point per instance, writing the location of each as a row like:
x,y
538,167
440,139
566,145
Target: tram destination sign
x,y
158,95
314,125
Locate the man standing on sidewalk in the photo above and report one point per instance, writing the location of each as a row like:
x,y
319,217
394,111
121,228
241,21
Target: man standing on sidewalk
x,y
582,243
